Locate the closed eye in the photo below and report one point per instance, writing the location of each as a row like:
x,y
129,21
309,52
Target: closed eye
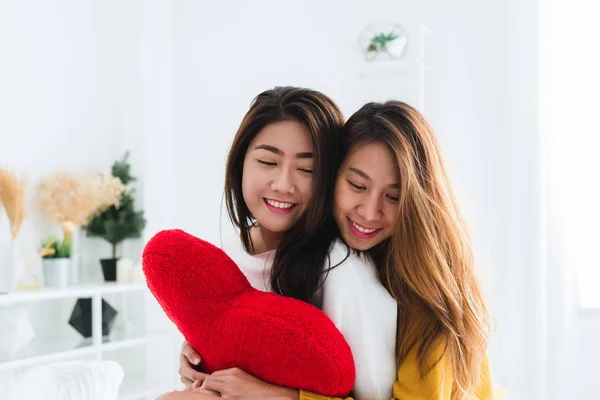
x,y
355,186
308,171
393,198
269,163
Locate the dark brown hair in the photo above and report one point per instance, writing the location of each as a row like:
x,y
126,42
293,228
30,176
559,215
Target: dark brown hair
x,y
301,254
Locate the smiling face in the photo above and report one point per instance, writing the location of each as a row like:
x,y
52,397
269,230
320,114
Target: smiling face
x,y
366,196
277,176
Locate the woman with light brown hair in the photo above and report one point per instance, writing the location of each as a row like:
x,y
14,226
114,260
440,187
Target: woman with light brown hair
x,y
393,183
393,201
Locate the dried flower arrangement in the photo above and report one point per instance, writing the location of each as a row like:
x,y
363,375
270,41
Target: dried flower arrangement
x,y
74,199
13,190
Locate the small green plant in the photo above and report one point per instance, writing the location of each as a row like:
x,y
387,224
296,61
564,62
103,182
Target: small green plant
x,y
380,41
56,248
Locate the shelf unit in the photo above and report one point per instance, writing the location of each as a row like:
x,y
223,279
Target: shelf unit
x,y
46,350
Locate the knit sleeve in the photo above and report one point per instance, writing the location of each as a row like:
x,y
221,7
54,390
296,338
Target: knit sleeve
x,y
304,395
437,383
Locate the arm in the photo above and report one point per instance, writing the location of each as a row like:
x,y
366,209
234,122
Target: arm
x,y
437,383
187,395
235,383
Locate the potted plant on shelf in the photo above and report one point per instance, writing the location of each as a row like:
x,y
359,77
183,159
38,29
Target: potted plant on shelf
x,y
56,261
118,222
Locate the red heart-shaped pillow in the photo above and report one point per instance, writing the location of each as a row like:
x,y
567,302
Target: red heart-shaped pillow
x,y
280,340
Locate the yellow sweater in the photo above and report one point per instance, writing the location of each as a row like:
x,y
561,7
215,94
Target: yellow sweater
x,y
435,385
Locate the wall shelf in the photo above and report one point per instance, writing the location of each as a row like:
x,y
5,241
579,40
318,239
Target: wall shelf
x,y
70,291
41,351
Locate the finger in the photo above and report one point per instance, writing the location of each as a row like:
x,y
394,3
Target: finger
x,y
186,370
187,382
199,378
194,385
227,372
190,353
214,384
197,383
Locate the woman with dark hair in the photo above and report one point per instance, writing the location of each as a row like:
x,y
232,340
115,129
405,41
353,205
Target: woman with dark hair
x,y
278,185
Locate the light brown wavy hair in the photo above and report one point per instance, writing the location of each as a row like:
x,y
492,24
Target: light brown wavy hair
x,y
427,264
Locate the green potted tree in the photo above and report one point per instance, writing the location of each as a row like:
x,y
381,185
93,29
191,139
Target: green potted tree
x,y
118,222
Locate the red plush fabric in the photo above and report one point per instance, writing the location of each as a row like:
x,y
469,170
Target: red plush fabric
x,y
280,340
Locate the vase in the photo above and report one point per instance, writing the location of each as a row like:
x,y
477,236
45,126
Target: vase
x,y
56,271
5,271
109,269
12,266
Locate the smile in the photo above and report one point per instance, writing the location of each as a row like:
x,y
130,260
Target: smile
x,y
362,232
279,207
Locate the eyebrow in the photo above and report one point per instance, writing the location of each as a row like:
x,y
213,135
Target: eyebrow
x,y
277,151
367,177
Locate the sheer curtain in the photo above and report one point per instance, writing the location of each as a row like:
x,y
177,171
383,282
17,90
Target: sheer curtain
x,y
546,283
569,93
574,104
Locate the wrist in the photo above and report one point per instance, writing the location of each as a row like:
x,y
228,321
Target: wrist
x,y
287,394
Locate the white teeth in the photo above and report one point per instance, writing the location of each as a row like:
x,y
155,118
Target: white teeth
x,y
361,229
279,205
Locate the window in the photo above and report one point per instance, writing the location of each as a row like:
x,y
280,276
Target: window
x,y
572,82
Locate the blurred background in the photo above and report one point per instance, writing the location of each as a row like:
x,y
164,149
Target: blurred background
x,y
511,88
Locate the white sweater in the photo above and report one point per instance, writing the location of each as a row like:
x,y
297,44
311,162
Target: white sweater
x,y
357,303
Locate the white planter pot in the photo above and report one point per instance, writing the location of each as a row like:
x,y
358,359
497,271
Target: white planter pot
x,y
56,271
